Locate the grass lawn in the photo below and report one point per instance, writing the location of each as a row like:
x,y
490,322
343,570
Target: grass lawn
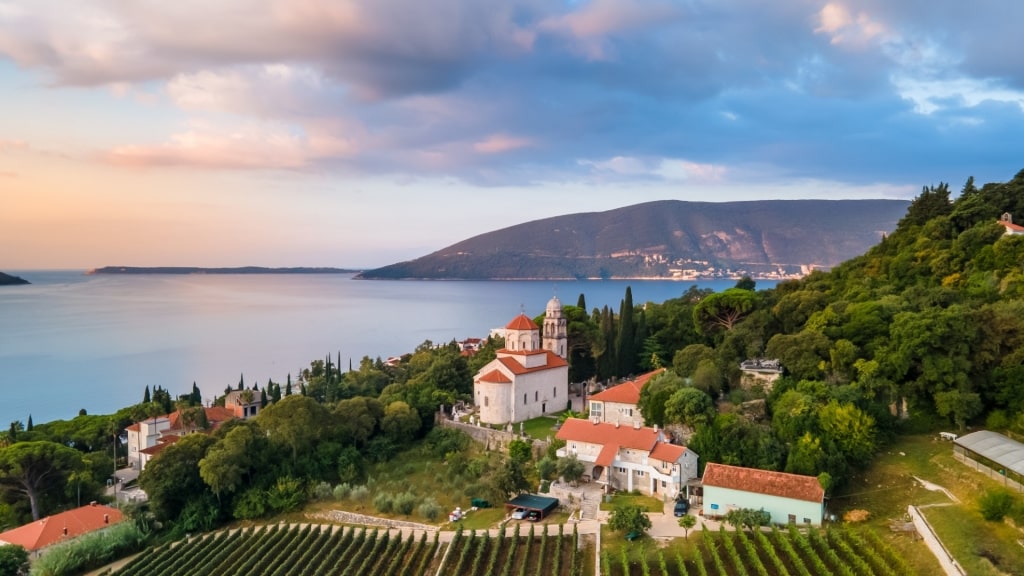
x,y
541,427
887,487
648,503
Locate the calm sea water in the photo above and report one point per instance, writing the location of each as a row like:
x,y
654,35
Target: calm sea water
x,y
70,341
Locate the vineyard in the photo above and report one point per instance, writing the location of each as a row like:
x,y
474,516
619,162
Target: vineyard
x,y
299,550
840,552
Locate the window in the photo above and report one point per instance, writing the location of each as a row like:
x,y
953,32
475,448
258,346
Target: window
x,y
639,472
620,470
792,518
626,411
663,484
595,408
807,520
536,395
486,401
554,391
524,399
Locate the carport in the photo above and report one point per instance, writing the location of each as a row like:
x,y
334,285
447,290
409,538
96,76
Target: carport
x,y
542,504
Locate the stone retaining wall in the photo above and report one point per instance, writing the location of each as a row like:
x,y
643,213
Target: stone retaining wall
x,y
364,520
946,560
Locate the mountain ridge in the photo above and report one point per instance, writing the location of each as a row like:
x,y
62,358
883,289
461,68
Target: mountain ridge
x,y
666,239
8,280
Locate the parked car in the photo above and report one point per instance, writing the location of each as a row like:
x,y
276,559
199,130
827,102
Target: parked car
x,y
533,516
682,507
519,514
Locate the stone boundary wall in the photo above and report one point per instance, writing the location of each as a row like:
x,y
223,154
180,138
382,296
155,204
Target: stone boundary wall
x,y
364,520
946,560
491,439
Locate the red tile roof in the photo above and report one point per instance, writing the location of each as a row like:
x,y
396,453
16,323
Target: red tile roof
x,y
1012,226
607,455
553,361
496,377
627,392
522,322
51,530
214,416
793,486
668,452
605,433
137,427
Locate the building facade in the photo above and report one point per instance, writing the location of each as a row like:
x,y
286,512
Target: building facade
x,y
629,457
789,498
525,380
621,403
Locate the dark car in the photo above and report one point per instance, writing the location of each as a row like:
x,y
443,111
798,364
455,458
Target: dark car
x,y
533,516
682,507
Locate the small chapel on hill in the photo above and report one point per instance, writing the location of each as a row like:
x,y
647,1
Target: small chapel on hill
x,y
530,376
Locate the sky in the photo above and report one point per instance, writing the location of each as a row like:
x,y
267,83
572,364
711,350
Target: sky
x,y
361,133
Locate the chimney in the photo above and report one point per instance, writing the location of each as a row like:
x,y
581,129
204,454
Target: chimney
x,y
93,503
636,424
65,530
616,423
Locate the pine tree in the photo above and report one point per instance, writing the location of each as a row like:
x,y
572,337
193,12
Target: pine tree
x,y
145,397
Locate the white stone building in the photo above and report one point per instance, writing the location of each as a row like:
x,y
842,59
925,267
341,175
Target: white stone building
x,y
628,457
528,378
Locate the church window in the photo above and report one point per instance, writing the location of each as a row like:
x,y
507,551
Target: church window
x,y
524,399
536,395
486,402
554,392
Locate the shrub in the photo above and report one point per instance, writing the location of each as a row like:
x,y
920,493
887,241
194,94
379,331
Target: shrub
x,y
997,420
384,503
341,491
995,504
91,550
440,441
430,509
359,493
405,503
250,504
323,491
286,494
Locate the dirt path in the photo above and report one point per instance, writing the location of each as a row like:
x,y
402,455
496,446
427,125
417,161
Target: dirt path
x,y
936,488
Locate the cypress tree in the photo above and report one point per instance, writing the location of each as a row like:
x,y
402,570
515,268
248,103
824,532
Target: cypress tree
x,y
145,397
196,397
28,427
302,388
241,382
288,388
606,360
581,303
625,342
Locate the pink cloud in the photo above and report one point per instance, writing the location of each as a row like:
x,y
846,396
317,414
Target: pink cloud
x,y
498,143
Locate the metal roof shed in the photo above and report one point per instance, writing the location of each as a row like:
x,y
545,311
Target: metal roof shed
x,y
993,450
543,504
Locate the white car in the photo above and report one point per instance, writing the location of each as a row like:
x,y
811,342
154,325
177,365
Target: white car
x,y
519,514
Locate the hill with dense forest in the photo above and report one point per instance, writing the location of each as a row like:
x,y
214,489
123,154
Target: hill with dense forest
x,y
8,280
667,239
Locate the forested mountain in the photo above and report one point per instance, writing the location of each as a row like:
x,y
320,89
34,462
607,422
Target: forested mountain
x,y
667,239
7,279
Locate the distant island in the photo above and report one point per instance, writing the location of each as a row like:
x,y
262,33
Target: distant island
x,y
197,270
668,239
8,280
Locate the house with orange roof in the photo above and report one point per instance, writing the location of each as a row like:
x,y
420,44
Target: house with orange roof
x,y
1011,229
530,376
244,404
40,534
629,457
620,403
147,438
789,498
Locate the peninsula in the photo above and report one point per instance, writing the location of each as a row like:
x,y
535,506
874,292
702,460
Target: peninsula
x,y
8,280
197,270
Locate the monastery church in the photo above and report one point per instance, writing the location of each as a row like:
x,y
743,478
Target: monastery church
x,y
530,376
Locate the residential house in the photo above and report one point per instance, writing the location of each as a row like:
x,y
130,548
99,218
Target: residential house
x,y
620,403
244,404
147,438
1011,229
760,371
527,379
789,498
40,534
628,457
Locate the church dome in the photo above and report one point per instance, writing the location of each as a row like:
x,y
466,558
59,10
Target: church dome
x,y
554,307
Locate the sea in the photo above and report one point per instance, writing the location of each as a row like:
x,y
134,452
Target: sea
x,y
71,341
